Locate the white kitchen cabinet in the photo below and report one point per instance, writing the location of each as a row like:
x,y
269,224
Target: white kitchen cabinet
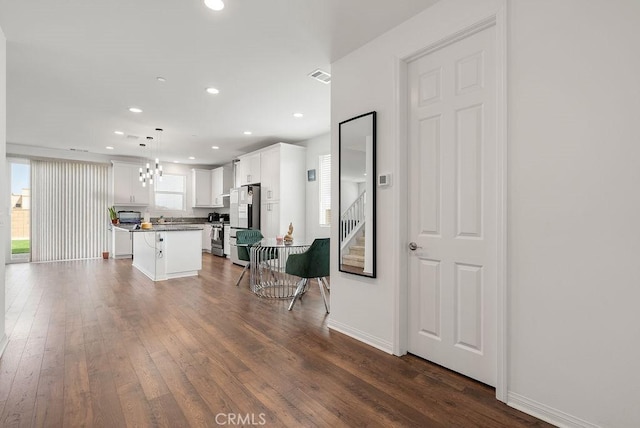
x,y
270,225
248,169
220,184
282,190
122,243
201,186
127,188
206,238
270,174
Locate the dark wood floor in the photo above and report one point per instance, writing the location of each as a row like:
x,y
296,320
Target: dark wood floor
x,y
96,343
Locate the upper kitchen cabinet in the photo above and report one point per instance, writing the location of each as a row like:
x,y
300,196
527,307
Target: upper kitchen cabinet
x,y
221,182
127,188
201,185
248,169
270,174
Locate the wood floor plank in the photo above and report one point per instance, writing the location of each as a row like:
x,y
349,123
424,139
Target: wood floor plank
x,y
96,343
18,410
78,407
9,365
192,405
49,405
136,408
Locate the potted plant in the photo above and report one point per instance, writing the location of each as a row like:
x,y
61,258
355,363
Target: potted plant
x,y
113,215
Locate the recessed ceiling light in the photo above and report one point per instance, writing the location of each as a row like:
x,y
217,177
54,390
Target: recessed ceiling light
x,y
298,115
214,4
212,91
109,148
215,147
135,110
161,79
176,161
118,132
248,132
191,157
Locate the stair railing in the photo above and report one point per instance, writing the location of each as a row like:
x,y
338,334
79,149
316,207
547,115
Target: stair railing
x,y
352,219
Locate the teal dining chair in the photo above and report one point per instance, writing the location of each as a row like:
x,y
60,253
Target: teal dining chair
x,y
313,263
244,240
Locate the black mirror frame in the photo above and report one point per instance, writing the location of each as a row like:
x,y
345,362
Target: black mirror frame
x,y
372,198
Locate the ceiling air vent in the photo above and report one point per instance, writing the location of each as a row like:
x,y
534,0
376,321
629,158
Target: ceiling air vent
x,y
320,76
132,137
79,150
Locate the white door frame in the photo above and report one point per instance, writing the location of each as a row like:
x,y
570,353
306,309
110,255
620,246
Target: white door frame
x,y
497,18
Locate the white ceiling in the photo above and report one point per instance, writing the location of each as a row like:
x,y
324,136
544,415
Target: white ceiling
x,y
74,67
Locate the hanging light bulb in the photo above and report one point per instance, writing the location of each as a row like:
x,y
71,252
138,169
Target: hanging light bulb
x,y
142,176
158,166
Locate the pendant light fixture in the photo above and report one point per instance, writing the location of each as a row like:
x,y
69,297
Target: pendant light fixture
x,y
147,173
158,170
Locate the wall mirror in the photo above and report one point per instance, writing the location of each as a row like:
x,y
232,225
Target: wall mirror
x,y
357,166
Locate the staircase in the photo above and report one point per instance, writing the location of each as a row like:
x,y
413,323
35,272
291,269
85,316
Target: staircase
x,y
355,255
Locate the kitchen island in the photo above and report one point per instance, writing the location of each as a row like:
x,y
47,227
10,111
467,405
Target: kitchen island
x,y
168,251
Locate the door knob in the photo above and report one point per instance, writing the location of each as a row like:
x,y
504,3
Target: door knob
x,y
413,246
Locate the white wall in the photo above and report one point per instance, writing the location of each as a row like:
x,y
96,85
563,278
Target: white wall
x,y
4,186
573,199
349,192
320,145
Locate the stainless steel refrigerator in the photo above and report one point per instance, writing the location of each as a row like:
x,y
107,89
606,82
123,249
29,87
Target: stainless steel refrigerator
x,y
244,213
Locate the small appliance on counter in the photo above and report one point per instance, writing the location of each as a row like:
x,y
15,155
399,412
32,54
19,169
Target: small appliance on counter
x,y
129,217
218,217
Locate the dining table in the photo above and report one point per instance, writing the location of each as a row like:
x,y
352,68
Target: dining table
x,y
268,259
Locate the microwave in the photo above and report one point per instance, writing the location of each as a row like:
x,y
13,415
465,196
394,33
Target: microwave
x,y
129,217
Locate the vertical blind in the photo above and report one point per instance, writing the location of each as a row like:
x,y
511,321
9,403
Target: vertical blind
x,y
69,210
325,189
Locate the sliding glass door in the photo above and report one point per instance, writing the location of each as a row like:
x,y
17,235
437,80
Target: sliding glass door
x,y
20,210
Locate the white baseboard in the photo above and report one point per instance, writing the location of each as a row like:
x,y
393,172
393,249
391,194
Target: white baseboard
x,y
376,342
3,344
546,413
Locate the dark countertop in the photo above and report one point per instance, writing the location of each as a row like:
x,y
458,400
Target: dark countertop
x,y
171,228
161,227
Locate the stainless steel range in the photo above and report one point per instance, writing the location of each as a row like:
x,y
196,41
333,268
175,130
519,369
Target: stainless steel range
x,y
217,239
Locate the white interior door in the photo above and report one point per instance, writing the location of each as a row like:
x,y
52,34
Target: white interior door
x,y
453,207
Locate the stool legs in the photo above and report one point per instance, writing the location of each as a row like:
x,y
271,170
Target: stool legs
x,y
299,290
322,285
242,274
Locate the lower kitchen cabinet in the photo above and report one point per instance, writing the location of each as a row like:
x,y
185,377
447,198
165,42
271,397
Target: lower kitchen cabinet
x,y
206,238
122,243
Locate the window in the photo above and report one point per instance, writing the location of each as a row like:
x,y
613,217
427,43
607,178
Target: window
x,y
170,192
324,179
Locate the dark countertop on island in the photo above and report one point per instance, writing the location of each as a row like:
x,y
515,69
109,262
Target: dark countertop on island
x,y
161,227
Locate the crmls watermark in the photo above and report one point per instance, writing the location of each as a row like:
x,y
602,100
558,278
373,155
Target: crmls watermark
x,y
238,419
